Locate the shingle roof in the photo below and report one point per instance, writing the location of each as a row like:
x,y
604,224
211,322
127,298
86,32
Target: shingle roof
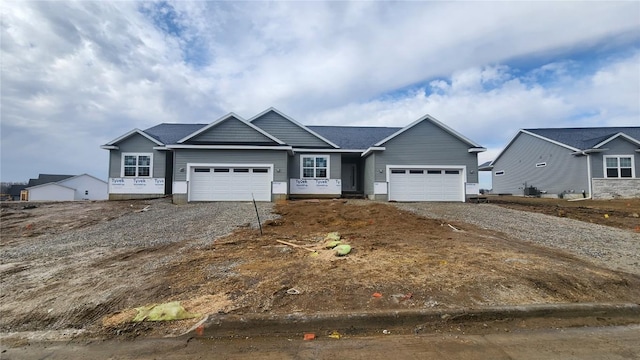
x,y
585,138
354,137
171,133
47,178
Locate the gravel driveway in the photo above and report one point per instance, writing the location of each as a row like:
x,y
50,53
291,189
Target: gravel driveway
x,y
163,223
614,248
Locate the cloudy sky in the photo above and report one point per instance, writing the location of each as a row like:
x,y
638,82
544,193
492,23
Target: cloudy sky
x,y
75,75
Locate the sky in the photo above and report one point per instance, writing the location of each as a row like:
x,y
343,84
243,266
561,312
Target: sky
x,y
76,75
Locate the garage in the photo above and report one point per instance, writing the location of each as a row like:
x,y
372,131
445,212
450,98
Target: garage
x,y
230,183
426,184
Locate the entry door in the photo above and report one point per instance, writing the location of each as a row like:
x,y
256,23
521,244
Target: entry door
x,y
349,177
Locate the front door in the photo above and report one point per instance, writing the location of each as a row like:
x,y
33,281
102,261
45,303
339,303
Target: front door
x,y
349,177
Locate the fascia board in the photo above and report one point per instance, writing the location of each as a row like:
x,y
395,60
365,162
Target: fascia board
x,y
436,123
549,140
305,150
477,150
620,134
229,147
130,133
372,149
295,123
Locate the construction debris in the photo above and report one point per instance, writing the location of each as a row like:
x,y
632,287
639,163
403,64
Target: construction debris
x,y
163,312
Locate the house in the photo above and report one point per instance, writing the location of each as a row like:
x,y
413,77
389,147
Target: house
x,y
65,188
597,162
15,190
272,156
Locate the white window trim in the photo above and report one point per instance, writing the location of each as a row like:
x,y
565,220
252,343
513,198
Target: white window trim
x,y
604,166
314,156
499,173
541,164
122,156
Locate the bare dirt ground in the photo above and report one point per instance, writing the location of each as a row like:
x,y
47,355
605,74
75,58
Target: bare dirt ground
x,y
619,213
398,261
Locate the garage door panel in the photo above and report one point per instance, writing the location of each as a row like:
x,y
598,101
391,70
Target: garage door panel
x,y
230,184
425,185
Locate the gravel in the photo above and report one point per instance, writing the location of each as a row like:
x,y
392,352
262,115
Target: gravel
x,y
614,248
164,223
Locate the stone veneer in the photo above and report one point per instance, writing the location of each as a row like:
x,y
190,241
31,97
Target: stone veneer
x,y
615,188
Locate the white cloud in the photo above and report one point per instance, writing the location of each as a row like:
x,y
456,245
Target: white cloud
x,y
77,74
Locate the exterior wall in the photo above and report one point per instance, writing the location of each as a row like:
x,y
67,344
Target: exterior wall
x,y
276,157
369,174
335,165
87,187
230,131
51,192
426,144
137,144
616,188
135,196
301,188
287,131
563,172
618,146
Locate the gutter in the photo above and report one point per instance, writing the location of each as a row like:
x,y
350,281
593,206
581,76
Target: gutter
x,y
588,178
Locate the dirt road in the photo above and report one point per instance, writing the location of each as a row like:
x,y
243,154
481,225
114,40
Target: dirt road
x,y
89,275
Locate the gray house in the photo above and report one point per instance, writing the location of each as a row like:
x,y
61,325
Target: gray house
x,y
271,156
570,162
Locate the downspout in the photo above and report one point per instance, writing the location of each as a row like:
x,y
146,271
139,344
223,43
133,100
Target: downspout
x,y
588,178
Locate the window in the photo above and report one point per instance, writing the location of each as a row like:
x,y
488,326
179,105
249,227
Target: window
x,y
432,172
394,171
315,167
452,172
136,165
618,166
416,171
499,173
542,164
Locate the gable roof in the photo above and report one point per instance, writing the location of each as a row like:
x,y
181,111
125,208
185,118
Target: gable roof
x,y
78,176
354,137
587,138
576,139
305,128
436,123
170,133
47,178
131,133
50,184
228,117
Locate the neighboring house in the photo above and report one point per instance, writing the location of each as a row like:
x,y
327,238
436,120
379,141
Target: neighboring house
x,y
599,162
66,188
271,156
15,191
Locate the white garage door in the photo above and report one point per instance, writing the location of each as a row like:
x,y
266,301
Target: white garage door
x,y
426,185
230,184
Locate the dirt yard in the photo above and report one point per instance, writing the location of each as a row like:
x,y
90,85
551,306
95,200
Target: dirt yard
x,y
398,261
619,213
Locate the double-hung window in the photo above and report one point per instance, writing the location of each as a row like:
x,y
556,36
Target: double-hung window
x,y
315,166
619,166
136,165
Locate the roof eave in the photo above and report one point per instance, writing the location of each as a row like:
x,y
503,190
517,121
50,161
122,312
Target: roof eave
x,y
477,150
372,149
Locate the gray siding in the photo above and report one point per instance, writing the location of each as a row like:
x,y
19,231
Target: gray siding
x,y
276,157
563,173
231,130
616,147
369,174
335,165
426,144
136,144
287,131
